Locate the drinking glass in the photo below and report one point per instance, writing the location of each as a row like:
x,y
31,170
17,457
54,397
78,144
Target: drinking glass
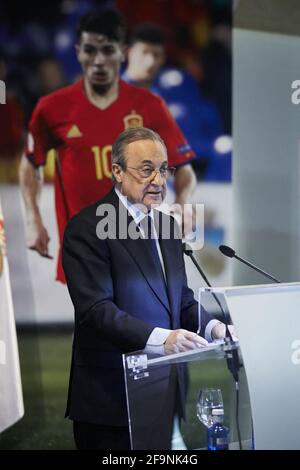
x,y
208,399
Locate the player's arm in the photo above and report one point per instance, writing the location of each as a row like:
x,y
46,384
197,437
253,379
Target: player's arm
x,y
179,152
184,184
40,140
31,182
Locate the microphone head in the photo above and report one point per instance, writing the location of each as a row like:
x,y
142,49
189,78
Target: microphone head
x,y
187,250
227,251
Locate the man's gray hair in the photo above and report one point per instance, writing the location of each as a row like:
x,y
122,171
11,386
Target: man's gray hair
x,y
127,137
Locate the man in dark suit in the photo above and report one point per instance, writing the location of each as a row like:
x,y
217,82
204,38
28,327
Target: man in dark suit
x,y
129,290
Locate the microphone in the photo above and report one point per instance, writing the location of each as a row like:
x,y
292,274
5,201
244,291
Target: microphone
x,y
227,251
232,358
187,250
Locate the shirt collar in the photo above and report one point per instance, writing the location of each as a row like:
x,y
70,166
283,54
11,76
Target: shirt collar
x,y
134,211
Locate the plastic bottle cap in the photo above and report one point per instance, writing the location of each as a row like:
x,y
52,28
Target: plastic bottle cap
x,y
217,411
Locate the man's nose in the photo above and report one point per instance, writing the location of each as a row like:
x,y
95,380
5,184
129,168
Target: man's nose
x,y
157,179
99,59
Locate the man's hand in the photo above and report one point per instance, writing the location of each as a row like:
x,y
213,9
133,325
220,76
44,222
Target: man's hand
x,y
183,340
38,238
219,331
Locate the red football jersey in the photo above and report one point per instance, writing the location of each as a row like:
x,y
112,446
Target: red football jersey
x,y
83,134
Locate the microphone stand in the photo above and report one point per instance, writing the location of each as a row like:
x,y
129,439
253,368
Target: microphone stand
x,y
230,253
257,269
189,252
232,357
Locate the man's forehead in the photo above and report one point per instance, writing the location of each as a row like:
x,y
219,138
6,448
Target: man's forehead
x,y
96,38
141,149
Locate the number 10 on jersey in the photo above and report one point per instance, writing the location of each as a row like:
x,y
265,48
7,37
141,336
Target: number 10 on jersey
x,y
102,157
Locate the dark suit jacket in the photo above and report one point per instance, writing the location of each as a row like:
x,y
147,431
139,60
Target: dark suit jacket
x,y
119,298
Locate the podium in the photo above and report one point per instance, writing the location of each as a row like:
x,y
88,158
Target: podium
x,y
267,323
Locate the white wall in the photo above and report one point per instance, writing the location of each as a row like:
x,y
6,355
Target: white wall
x,y
266,131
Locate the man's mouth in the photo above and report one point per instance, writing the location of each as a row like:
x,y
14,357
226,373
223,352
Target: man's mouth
x,y
154,193
100,75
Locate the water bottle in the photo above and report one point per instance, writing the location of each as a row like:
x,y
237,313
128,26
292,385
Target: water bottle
x,y
217,434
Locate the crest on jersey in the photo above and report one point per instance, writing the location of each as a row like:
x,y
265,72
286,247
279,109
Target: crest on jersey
x,y
133,120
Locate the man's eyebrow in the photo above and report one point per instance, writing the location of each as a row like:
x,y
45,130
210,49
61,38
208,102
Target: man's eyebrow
x,y
88,44
150,161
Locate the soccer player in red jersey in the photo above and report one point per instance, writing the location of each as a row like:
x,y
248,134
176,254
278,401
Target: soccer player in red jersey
x,y
82,121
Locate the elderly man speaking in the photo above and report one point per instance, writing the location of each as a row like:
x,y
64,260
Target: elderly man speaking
x,y
129,289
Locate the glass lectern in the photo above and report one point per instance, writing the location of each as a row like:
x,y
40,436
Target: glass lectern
x,y
267,322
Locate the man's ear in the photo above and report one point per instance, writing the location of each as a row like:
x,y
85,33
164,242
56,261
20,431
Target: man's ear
x,y
117,172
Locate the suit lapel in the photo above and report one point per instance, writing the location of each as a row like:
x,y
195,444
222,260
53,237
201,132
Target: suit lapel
x,y
141,254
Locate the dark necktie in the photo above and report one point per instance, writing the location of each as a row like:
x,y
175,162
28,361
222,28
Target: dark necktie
x,y
148,226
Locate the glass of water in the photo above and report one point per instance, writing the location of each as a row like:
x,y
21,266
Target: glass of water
x,y
208,399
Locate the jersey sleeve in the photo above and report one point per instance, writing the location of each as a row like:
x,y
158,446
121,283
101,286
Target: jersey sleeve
x,y
40,139
179,151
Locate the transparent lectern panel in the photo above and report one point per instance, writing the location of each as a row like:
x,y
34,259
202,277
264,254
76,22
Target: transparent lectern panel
x,y
267,323
267,320
214,302
164,390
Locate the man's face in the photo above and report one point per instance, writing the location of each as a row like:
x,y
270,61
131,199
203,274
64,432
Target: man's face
x,y
143,155
100,59
146,59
